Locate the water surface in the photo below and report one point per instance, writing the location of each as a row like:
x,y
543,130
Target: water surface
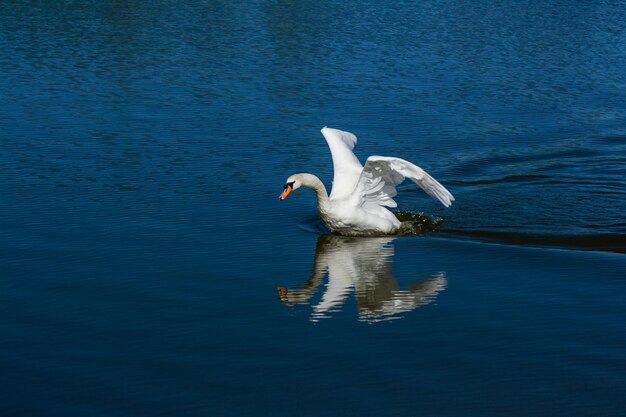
x,y
144,145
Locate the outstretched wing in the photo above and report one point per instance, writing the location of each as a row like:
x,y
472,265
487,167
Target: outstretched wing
x,y
380,176
347,167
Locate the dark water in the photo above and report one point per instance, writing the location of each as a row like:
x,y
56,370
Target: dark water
x,y
149,269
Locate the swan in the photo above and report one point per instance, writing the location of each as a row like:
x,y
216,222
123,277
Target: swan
x,y
360,195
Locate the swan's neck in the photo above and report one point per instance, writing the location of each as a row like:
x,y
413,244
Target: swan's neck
x,y
314,183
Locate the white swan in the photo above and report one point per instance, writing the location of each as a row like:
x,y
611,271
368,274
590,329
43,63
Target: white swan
x,y
360,194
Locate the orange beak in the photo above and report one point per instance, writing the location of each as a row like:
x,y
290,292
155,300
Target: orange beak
x,y
288,189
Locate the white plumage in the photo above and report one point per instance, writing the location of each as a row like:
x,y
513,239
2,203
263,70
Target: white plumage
x,y
360,194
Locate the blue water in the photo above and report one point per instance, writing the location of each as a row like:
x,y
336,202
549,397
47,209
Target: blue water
x,y
148,268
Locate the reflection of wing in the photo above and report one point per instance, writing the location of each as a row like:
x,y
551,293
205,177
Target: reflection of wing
x,y
381,175
386,302
346,166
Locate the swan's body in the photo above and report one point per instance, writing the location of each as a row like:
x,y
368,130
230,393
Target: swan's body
x,y
360,195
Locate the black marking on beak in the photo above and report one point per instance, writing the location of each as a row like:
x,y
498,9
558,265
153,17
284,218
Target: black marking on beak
x,y
286,190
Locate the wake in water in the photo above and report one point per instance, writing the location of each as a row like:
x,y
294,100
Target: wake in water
x,y
567,194
420,224
598,242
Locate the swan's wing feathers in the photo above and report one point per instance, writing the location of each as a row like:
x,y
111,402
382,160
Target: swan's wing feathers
x,y
381,175
346,166
348,139
377,184
434,189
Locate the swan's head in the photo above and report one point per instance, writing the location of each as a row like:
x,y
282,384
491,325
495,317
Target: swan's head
x,y
293,183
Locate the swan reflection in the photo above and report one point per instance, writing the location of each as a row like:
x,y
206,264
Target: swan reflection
x,y
362,266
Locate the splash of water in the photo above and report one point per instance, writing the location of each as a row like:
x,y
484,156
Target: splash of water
x,y
417,223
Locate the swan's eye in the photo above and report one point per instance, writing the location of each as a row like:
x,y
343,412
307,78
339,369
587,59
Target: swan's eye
x,y
288,185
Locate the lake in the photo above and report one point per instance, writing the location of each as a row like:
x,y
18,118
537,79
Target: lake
x,y
149,269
